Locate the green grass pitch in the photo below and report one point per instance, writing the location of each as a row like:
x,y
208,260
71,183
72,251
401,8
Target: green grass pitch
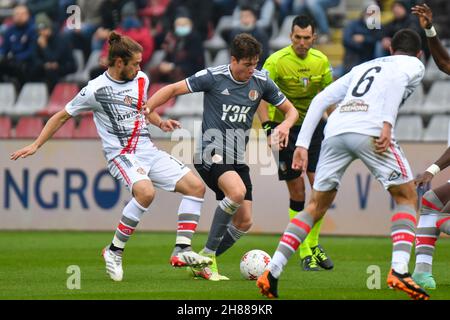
x,y
33,265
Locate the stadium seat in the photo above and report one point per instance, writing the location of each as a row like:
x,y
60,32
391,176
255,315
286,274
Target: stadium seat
x,y
5,127
156,59
32,98
78,75
438,98
29,127
282,39
432,72
8,97
91,63
336,15
61,95
414,104
66,131
409,128
222,57
169,104
187,105
86,128
437,129
217,42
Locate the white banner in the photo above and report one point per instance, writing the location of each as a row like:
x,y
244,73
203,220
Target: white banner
x,y
66,186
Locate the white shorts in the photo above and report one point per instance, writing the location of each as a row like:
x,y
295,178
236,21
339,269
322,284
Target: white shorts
x,y
163,170
390,169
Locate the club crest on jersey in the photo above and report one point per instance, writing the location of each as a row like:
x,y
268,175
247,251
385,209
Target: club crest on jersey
x,y
253,95
141,171
128,100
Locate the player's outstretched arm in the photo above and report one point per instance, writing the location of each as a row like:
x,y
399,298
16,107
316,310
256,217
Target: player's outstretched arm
x,y
438,51
440,164
52,125
164,94
165,125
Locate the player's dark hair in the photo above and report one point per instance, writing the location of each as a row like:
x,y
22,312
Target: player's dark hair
x,y
245,46
121,47
303,22
407,41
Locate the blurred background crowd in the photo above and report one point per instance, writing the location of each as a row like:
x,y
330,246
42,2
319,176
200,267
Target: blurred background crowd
x,y
41,50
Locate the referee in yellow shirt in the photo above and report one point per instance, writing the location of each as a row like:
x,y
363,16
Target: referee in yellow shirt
x,y
300,72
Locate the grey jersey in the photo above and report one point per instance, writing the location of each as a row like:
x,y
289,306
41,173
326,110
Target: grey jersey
x,y
228,110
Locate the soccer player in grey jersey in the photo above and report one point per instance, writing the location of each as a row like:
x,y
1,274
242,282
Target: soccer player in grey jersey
x,y
232,95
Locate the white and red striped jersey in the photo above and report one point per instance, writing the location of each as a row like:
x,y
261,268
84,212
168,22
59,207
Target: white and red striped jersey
x,y
117,113
370,94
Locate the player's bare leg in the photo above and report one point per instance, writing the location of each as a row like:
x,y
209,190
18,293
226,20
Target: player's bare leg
x,y
144,194
403,235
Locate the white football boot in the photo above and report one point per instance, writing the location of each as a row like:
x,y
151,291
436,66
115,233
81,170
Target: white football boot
x,y
113,264
189,259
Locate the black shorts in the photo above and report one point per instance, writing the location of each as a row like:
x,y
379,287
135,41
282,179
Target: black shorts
x,y
285,171
211,177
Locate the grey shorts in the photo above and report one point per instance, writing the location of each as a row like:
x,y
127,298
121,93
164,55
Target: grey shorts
x,y
390,169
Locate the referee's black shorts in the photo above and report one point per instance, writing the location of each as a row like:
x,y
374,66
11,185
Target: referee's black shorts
x,y
285,156
211,177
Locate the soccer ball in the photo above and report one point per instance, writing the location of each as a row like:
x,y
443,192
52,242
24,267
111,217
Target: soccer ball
x,y
253,264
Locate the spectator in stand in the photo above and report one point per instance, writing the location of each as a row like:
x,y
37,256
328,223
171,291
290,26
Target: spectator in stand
x,y
132,27
359,42
200,9
441,17
49,7
222,8
53,57
264,9
17,48
110,20
318,10
402,19
248,25
90,21
184,53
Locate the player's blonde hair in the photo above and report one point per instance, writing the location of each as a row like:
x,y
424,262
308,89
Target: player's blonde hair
x,y
121,47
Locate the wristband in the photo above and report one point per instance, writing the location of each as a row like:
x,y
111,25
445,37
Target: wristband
x,y
430,33
433,169
267,127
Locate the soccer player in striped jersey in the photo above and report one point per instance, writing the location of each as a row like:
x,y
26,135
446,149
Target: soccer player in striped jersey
x,y
232,94
300,72
435,211
116,98
361,127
